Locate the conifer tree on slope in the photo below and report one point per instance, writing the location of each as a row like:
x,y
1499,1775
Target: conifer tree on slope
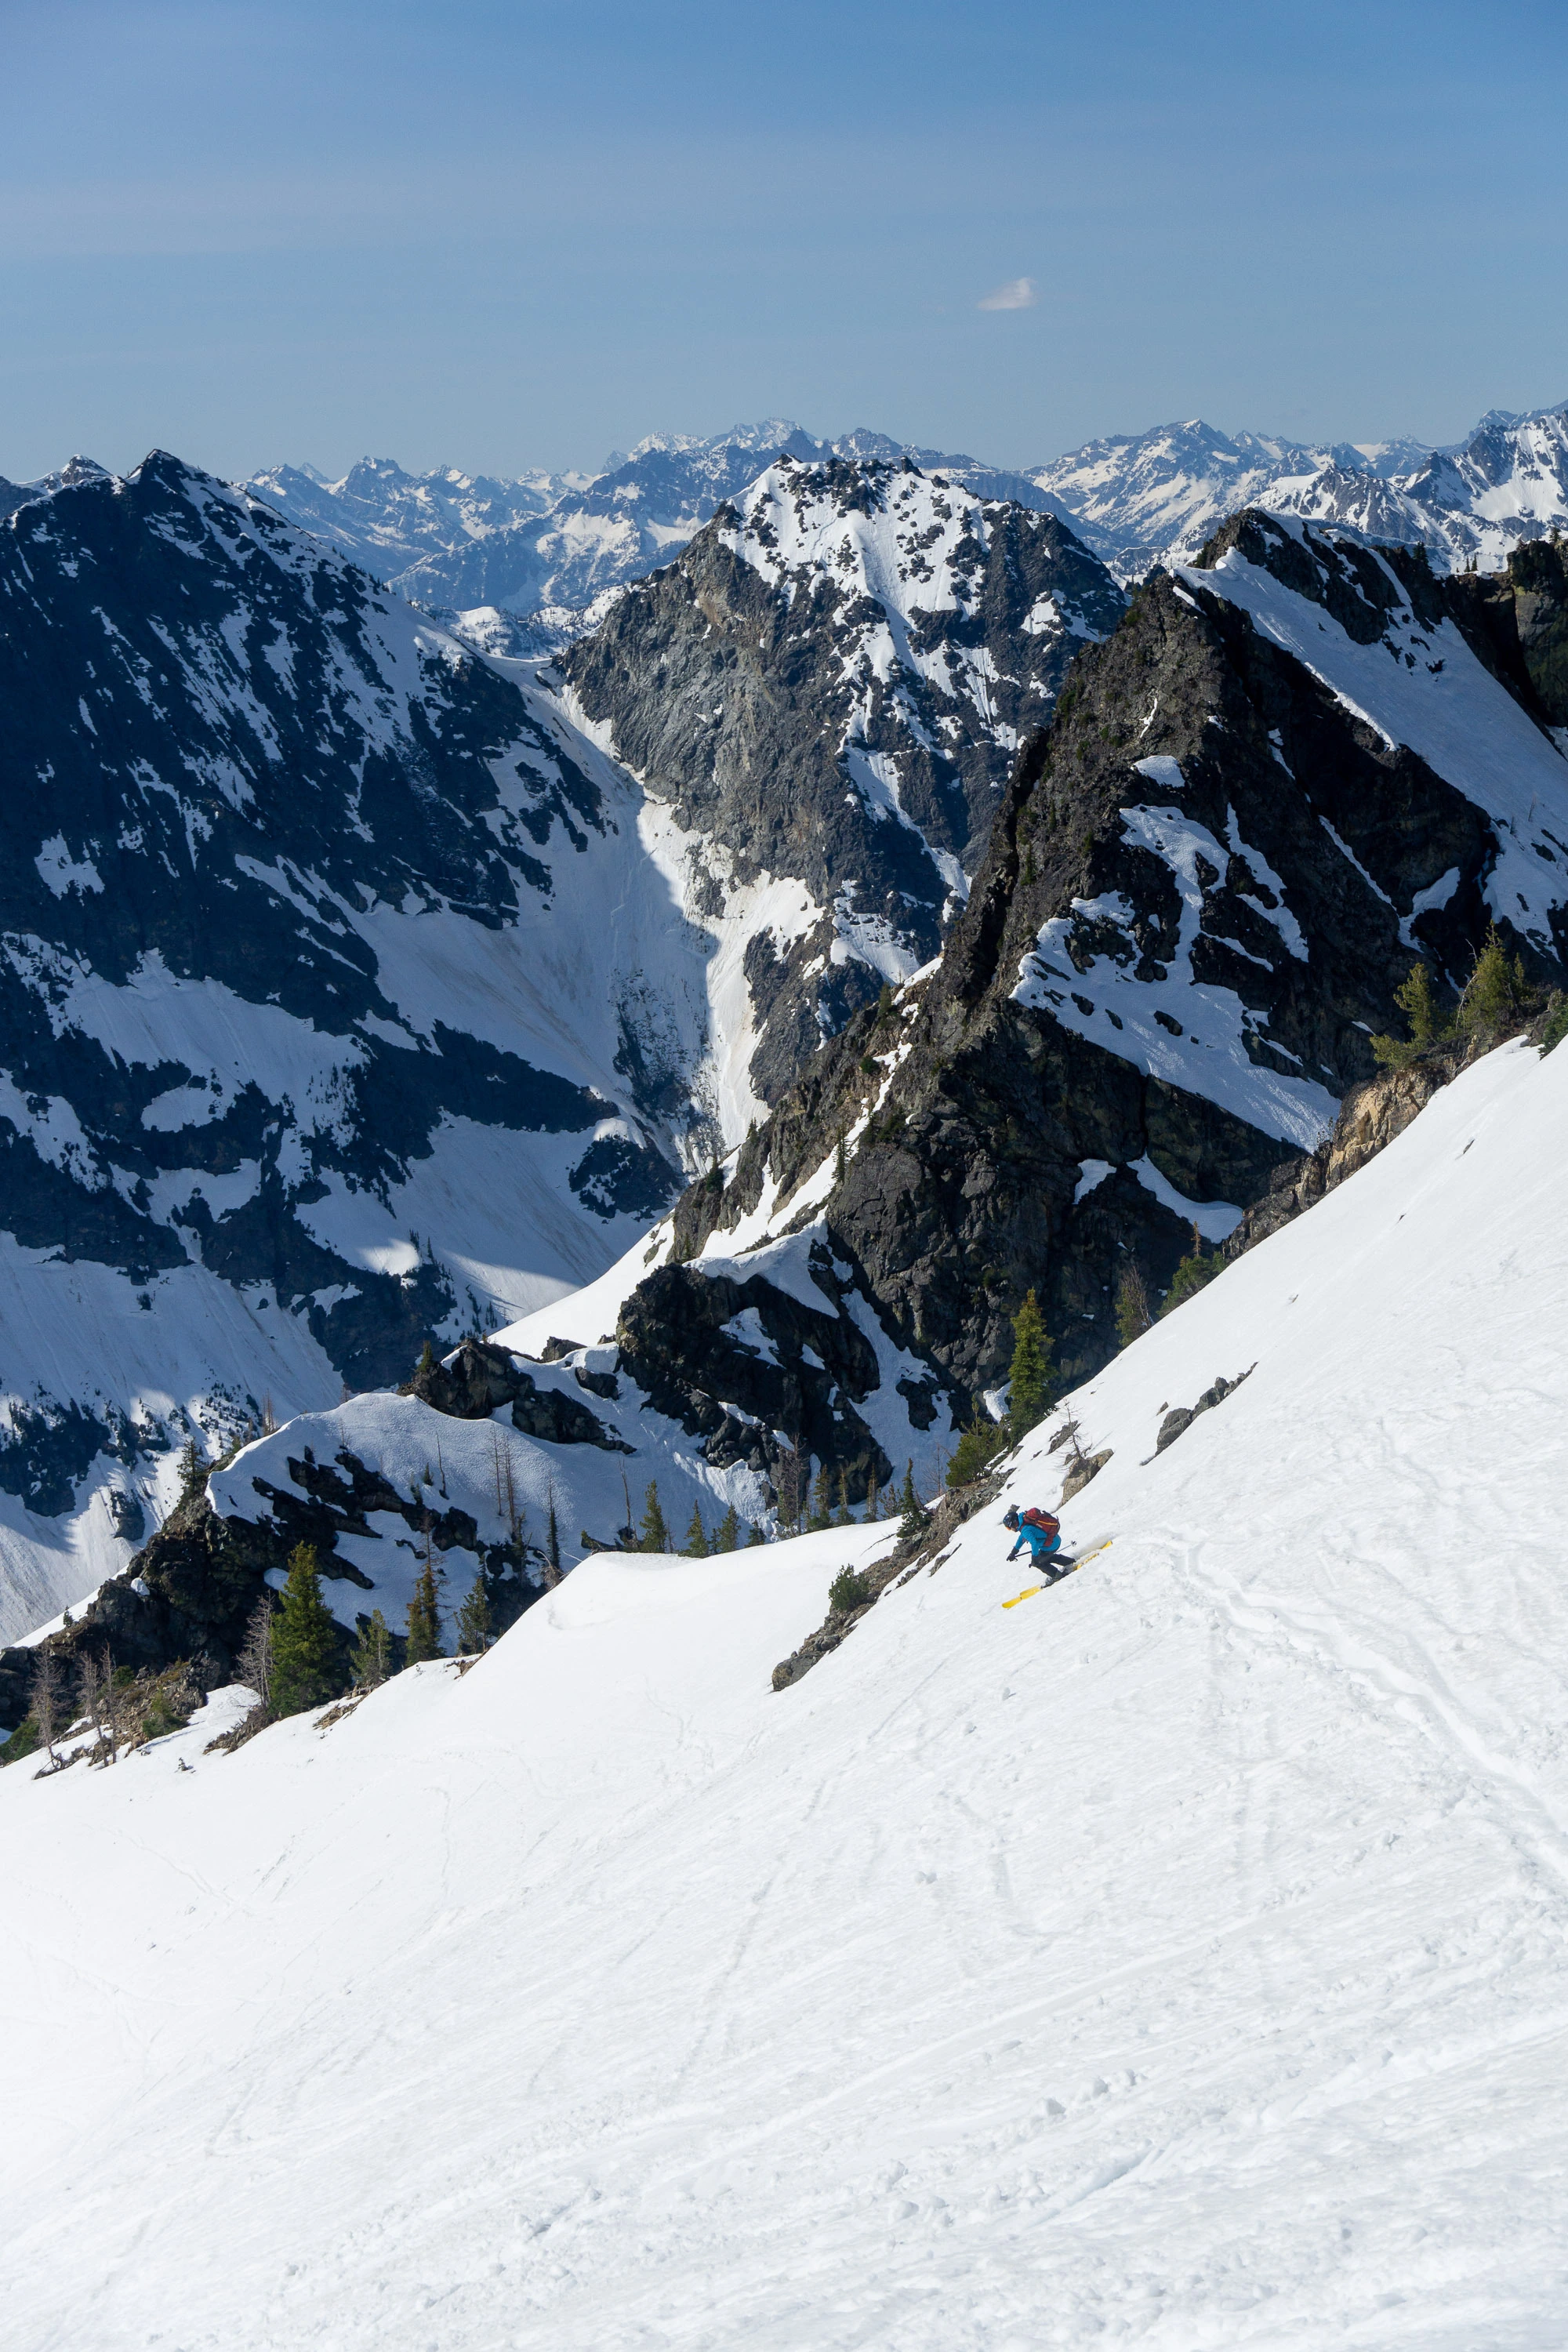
x,y
1032,1374
424,1620
727,1534
913,1517
655,1535
820,1515
305,1671
696,1545
474,1620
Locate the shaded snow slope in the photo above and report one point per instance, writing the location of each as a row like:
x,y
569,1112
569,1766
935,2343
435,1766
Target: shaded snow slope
x,y
1174,1960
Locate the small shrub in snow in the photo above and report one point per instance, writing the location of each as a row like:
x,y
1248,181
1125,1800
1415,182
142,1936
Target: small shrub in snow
x,y
848,1589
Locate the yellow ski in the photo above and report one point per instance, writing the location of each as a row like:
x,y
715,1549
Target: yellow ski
x,y
1030,1589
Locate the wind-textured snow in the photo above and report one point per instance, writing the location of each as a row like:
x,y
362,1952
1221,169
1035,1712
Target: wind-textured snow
x,y
1171,1960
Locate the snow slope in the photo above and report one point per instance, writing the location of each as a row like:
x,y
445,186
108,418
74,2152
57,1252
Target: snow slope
x,y
1173,1960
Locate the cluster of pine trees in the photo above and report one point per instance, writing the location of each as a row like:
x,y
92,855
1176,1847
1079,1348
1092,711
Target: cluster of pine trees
x,y
296,1656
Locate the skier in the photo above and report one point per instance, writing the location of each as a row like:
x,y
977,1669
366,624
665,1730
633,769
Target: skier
x,y
1041,1531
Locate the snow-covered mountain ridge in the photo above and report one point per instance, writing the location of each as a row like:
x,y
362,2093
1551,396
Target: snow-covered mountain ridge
x,y
1161,987
1140,499
1291,773
353,993
1171,1958
453,541
323,947
825,691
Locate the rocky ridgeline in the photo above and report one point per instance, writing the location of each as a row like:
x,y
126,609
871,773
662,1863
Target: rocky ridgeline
x,y
1201,891
829,686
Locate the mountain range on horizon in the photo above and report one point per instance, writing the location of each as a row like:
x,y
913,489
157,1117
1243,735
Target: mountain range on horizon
x,y
543,545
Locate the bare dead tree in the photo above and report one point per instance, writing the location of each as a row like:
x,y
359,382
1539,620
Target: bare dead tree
x,y
92,1696
254,1664
46,1696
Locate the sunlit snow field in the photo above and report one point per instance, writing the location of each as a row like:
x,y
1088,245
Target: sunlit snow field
x,y
1175,1960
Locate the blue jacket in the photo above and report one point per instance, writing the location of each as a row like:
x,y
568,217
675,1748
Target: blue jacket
x,y
1040,1544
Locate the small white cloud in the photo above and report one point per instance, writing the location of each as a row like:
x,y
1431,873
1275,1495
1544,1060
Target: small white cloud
x,y
1019,294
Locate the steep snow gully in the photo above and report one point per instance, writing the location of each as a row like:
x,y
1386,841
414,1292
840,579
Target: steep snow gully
x,y
1172,1960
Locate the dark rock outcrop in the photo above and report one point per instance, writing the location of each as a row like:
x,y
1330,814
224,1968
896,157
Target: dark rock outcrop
x,y
828,685
1207,830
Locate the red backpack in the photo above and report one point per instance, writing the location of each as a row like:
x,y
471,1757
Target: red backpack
x,y
1045,1520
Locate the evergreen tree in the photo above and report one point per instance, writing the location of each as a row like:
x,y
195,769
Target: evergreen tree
x,y
840,1163
369,1662
305,1670
553,1544
979,1443
844,1517
424,1620
655,1535
759,1534
1193,1273
696,1540
820,1515
727,1534
474,1621
873,1498
913,1517
1413,996
1132,1316
1495,990
1032,1373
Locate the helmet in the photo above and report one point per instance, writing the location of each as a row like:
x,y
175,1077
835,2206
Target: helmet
x,y
1011,1519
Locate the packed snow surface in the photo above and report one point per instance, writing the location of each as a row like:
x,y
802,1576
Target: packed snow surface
x,y
1174,1959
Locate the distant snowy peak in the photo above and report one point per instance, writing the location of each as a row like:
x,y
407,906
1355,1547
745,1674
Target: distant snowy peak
x,y
454,541
1157,496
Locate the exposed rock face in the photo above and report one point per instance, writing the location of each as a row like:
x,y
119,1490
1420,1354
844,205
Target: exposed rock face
x,y
827,690
1200,894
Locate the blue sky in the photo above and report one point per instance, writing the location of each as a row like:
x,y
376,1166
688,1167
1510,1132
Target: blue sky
x,y
508,234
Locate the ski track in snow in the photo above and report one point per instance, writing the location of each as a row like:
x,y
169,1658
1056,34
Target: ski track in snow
x,y
1175,1961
